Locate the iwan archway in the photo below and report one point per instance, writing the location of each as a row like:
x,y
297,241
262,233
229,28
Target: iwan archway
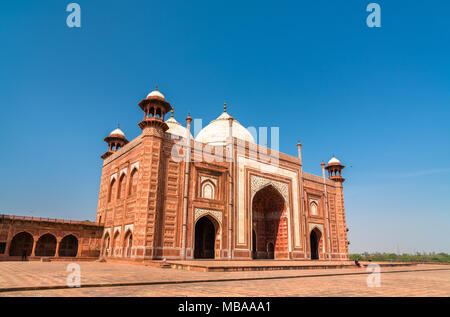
x,y
269,224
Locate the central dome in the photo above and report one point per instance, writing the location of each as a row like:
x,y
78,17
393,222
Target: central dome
x,y
216,132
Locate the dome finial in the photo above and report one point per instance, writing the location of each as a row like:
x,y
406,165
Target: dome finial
x,y
171,113
224,107
156,88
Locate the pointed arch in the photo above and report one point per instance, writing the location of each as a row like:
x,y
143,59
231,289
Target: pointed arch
x,y
313,208
122,186
112,189
106,244
207,242
270,224
133,181
127,243
21,243
68,247
316,243
46,245
208,189
115,245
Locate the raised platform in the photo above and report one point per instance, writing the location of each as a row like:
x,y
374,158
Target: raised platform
x,y
268,265
257,265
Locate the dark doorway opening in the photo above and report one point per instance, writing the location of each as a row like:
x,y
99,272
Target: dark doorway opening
x,y
270,250
68,246
314,240
46,245
205,239
254,253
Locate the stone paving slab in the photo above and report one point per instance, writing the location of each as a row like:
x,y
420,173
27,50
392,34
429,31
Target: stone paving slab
x,y
36,275
423,282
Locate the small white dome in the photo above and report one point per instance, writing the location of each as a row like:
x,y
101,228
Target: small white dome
x,y
176,128
155,93
334,161
117,131
216,132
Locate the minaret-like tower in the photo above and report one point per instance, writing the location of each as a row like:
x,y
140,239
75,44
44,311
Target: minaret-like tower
x,y
115,140
155,108
153,170
334,169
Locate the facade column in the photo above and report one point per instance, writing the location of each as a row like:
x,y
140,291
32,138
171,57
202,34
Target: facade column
x,y
9,239
327,212
58,242
186,186
80,243
230,210
35,240
302,200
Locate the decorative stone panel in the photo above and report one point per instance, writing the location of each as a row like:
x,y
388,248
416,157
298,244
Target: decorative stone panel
x,y
257,182
312,225
212,180
216,214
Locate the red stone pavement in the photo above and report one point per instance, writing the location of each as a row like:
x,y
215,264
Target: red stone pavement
x,y
420,280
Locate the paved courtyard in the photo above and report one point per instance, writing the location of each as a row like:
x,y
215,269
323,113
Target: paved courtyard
x,y
113,279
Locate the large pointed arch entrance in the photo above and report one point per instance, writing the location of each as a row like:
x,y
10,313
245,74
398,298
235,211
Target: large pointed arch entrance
x,y
270,225
206,232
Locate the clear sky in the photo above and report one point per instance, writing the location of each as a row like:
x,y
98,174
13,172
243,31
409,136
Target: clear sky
x,y
378,98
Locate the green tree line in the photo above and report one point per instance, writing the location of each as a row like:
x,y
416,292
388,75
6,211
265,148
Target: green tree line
x,y
405,257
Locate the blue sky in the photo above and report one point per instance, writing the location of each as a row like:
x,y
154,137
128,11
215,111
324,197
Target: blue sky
x,y
377,98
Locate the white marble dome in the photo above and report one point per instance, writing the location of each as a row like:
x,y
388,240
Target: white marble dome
x,y
334,161
156,93
175,128
117,131
216,132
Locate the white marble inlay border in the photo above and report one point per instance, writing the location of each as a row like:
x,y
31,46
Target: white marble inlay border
x,y
123,171
128,227
134,165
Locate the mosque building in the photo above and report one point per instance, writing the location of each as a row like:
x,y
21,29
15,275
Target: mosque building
x,y
168,195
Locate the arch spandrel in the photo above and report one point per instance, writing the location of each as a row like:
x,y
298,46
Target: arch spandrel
x,y
258,182
216,214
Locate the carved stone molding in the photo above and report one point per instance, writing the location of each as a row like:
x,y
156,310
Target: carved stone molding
x,y
257,182
216,214
212,180
312,225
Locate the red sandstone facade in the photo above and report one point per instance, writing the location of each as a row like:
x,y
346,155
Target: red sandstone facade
x,y
162,196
